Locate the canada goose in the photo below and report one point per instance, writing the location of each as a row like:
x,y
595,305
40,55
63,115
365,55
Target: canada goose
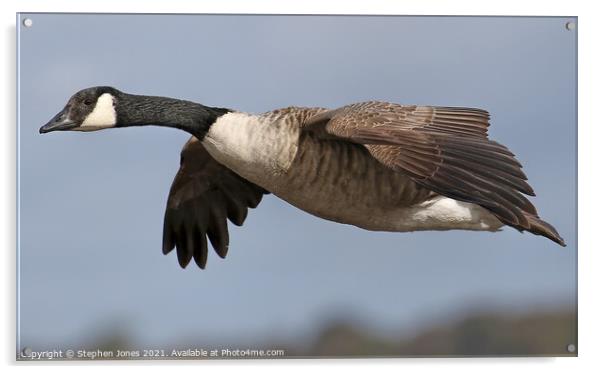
x,y
375,165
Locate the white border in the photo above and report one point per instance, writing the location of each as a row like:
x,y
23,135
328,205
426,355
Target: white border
x,y
589,157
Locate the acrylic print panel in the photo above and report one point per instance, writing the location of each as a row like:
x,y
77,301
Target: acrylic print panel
x,y
93,282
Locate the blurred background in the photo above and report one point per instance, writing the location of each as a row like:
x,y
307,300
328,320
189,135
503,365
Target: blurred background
x,y
91,272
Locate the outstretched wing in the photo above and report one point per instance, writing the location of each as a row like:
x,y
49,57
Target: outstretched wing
x,y
444,149
202,196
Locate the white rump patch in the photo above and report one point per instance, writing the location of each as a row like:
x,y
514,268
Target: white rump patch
x,y
103,115
443,213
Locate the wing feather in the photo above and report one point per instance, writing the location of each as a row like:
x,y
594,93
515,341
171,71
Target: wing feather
x,y
444,149
203,196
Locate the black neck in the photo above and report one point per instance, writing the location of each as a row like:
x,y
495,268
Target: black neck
x,y
138,110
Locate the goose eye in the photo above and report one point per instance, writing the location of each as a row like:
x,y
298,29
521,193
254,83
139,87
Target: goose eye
x,y
87,102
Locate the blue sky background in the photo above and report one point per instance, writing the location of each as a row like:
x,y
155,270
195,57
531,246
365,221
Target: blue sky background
x,y
91,204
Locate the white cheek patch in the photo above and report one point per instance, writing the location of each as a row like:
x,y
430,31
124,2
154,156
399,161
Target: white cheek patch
x,y
103,115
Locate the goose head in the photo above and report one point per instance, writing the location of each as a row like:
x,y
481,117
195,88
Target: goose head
x,y
90,109
98,108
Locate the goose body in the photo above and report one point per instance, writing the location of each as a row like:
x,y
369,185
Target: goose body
x,y
378,166
334,180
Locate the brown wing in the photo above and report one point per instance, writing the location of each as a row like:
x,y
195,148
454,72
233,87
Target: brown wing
x,y
203,194
444,149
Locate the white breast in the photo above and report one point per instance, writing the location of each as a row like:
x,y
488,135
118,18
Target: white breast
x,y
254,147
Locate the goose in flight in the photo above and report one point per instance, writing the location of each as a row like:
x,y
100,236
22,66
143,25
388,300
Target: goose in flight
x,y
375,165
